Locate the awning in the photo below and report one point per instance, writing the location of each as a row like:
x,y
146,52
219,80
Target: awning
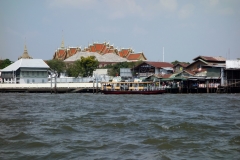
x,y
34,70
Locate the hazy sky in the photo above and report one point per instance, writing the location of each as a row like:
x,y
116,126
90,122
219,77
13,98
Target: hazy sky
x,y
185,28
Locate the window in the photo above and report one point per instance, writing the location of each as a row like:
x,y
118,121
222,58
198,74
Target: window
x,y
27,73
37,73
33,73
42,80
27,80
199,66
33,80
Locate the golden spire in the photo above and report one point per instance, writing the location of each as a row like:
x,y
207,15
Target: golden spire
x,y
25,46
62,45
25,54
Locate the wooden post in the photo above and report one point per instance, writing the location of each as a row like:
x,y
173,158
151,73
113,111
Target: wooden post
x,y
51,83
97,85
55,88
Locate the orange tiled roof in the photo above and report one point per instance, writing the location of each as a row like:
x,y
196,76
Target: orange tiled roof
x,y
134,56
92,48
103,51
61,53
98,47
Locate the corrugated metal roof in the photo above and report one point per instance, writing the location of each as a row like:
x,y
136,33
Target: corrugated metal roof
x,y
26,63
232,64
160,64
206,58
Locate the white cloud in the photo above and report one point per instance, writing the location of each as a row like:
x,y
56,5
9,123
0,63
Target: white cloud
x,y
73,3
186,11
115,9
169,5
226,11
228,7
213,2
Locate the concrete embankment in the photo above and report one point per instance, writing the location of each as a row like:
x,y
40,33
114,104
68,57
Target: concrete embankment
x,y
48,88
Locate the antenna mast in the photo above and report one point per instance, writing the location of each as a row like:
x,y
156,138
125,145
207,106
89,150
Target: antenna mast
x,y
163,54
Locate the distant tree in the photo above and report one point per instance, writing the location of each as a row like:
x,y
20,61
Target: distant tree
x,y
57,66
175,62
87,65
4,63
71,72
82,67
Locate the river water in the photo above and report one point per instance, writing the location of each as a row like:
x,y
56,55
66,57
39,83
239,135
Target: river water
x,y
97,126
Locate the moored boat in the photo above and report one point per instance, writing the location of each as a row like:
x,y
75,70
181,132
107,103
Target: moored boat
x,y
131,88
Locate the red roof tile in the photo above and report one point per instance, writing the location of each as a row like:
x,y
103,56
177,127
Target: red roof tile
x,y
134,56
92,49
182,64
206,58
98,47
61,53
160,64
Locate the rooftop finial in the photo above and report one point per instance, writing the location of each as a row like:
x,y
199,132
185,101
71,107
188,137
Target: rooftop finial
x,y
62,45
25,46
25,54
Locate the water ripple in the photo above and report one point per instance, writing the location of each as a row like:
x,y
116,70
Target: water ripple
x,y
96,126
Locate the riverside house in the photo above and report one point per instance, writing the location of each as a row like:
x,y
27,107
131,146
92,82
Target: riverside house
x,y
147,69
26,71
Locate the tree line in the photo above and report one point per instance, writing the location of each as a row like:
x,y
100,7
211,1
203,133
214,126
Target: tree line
x,y
85,66
4,63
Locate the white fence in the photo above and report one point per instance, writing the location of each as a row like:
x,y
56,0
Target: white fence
x,y
98,78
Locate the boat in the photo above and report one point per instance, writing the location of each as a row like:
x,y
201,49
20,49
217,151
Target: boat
x,y
131,88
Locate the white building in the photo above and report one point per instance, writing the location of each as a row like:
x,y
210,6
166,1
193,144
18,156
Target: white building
x,y
26,71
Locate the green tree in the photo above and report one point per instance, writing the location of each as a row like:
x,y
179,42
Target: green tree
x,y
74,70
57,66
87,65
83,67
4,63
175,62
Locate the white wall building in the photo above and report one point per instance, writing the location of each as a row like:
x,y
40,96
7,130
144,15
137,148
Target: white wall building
x,y
26,71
